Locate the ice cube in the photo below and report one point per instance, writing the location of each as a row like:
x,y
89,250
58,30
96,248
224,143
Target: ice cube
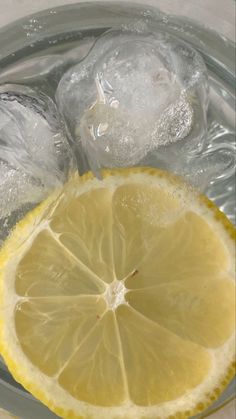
x,y
134,93
34,154
16,189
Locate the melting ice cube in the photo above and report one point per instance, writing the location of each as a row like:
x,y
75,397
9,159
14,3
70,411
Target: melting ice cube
x,y
134,93
34,154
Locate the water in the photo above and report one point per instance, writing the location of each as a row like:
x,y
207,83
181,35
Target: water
x,y
40,52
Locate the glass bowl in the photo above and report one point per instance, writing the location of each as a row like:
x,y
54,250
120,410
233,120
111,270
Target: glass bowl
x,y
71,30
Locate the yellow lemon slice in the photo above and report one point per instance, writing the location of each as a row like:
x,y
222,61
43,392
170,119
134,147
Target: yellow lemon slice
x,y
117,298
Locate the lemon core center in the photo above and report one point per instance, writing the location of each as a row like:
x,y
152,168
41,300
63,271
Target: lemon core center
x,y
115,294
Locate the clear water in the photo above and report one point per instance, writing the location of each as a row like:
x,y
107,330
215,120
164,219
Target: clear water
x,y
37,51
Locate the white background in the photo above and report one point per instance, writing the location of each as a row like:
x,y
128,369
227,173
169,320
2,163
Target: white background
x,y
218,14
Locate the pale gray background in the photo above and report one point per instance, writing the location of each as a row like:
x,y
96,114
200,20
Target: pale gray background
x,y
218,14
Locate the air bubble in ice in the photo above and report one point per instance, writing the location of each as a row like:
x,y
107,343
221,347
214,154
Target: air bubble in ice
x,y
134,93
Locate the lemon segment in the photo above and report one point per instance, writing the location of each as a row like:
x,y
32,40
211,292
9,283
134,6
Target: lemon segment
x,y
140,214
154,356
84,228
188,308
94,374
50,269
50,329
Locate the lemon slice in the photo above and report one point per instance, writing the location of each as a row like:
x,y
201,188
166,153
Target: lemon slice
x,y
117,298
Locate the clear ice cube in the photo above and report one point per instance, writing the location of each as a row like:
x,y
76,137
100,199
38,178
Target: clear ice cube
x,y
135,93
34,154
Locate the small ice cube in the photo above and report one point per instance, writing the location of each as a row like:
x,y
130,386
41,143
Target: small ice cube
x,y
34,154
134,93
